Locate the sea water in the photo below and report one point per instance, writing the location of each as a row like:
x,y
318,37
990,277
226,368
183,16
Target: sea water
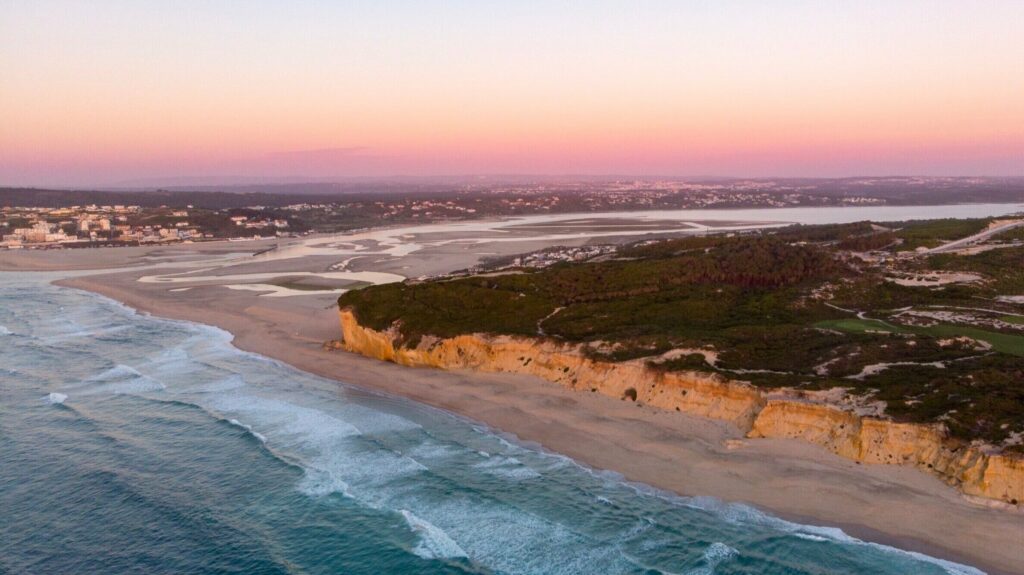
x,y
133,444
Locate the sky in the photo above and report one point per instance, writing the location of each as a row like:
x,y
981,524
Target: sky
x,y
109,92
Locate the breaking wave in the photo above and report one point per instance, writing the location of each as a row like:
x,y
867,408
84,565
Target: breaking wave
x,y
715,554
122,379
56,398
248,428
434,542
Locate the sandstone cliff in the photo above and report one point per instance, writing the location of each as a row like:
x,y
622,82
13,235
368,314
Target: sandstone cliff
x,y
755,412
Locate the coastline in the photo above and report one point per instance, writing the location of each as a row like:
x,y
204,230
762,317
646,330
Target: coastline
x,y
756,413
895,506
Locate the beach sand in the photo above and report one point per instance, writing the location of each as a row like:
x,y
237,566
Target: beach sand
x,y
688,455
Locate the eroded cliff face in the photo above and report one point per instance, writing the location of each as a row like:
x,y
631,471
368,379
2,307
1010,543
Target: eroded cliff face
x,y
755,412
874,440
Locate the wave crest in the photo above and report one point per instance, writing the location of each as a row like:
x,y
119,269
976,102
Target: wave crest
x,y
123,379
56,398
715,554
434,542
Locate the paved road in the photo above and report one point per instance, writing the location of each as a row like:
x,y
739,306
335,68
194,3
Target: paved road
x,y
973,239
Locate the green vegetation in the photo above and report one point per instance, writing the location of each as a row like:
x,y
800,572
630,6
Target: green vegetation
x,y
780,309
748,282
792,234
1002,342
857,325
302,285
1004,266
1010,235
932,233
977,399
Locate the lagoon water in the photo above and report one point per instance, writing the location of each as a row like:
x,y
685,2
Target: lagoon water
x,y
401,241
132,444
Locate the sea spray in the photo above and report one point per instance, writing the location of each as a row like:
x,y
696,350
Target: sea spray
x,y
56,398
434,542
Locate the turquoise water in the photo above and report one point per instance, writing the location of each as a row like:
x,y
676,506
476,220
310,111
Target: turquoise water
x,y
132,444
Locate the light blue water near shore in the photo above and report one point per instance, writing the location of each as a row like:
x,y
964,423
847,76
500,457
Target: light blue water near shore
x,y
132,444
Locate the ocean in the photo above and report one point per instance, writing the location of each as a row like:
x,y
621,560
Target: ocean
x,y
134,444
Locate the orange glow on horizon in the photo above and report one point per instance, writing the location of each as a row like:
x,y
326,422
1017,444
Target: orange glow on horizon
x,y
96,95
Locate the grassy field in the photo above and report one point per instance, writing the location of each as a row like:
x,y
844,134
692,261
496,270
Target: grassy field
x,y
1001,342
857,325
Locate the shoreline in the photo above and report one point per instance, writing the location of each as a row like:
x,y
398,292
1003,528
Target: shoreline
x,y
898,507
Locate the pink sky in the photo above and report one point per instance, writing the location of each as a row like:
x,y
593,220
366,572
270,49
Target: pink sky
x,y
98,94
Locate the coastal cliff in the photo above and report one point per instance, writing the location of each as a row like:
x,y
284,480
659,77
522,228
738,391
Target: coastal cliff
x,y
757,413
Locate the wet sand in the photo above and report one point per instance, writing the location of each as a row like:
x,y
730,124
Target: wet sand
x,y
899,506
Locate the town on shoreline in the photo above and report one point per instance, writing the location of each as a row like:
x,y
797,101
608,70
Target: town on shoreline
x,y
53,219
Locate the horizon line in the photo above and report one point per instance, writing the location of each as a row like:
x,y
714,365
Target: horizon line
x,y
142,184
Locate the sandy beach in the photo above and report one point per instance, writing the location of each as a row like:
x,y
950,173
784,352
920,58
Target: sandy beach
x,y
687,455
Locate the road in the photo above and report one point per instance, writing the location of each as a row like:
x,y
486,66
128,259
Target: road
x,y
978,237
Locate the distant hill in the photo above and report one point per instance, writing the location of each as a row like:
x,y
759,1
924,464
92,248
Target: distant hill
x,y
203,193
33,197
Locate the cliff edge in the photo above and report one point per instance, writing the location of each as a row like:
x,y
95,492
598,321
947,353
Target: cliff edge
x,y
757,413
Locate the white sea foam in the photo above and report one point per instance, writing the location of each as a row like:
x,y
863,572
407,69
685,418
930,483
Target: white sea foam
x,y
317,483
122,379
432,452
642,525
739,513
173,357
506,467
4,330
744,514
136,386
342,461
810,537
56,398
119,371
508,539
715,554
89,332
331,450
222,385
248,428
434,542
372,422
